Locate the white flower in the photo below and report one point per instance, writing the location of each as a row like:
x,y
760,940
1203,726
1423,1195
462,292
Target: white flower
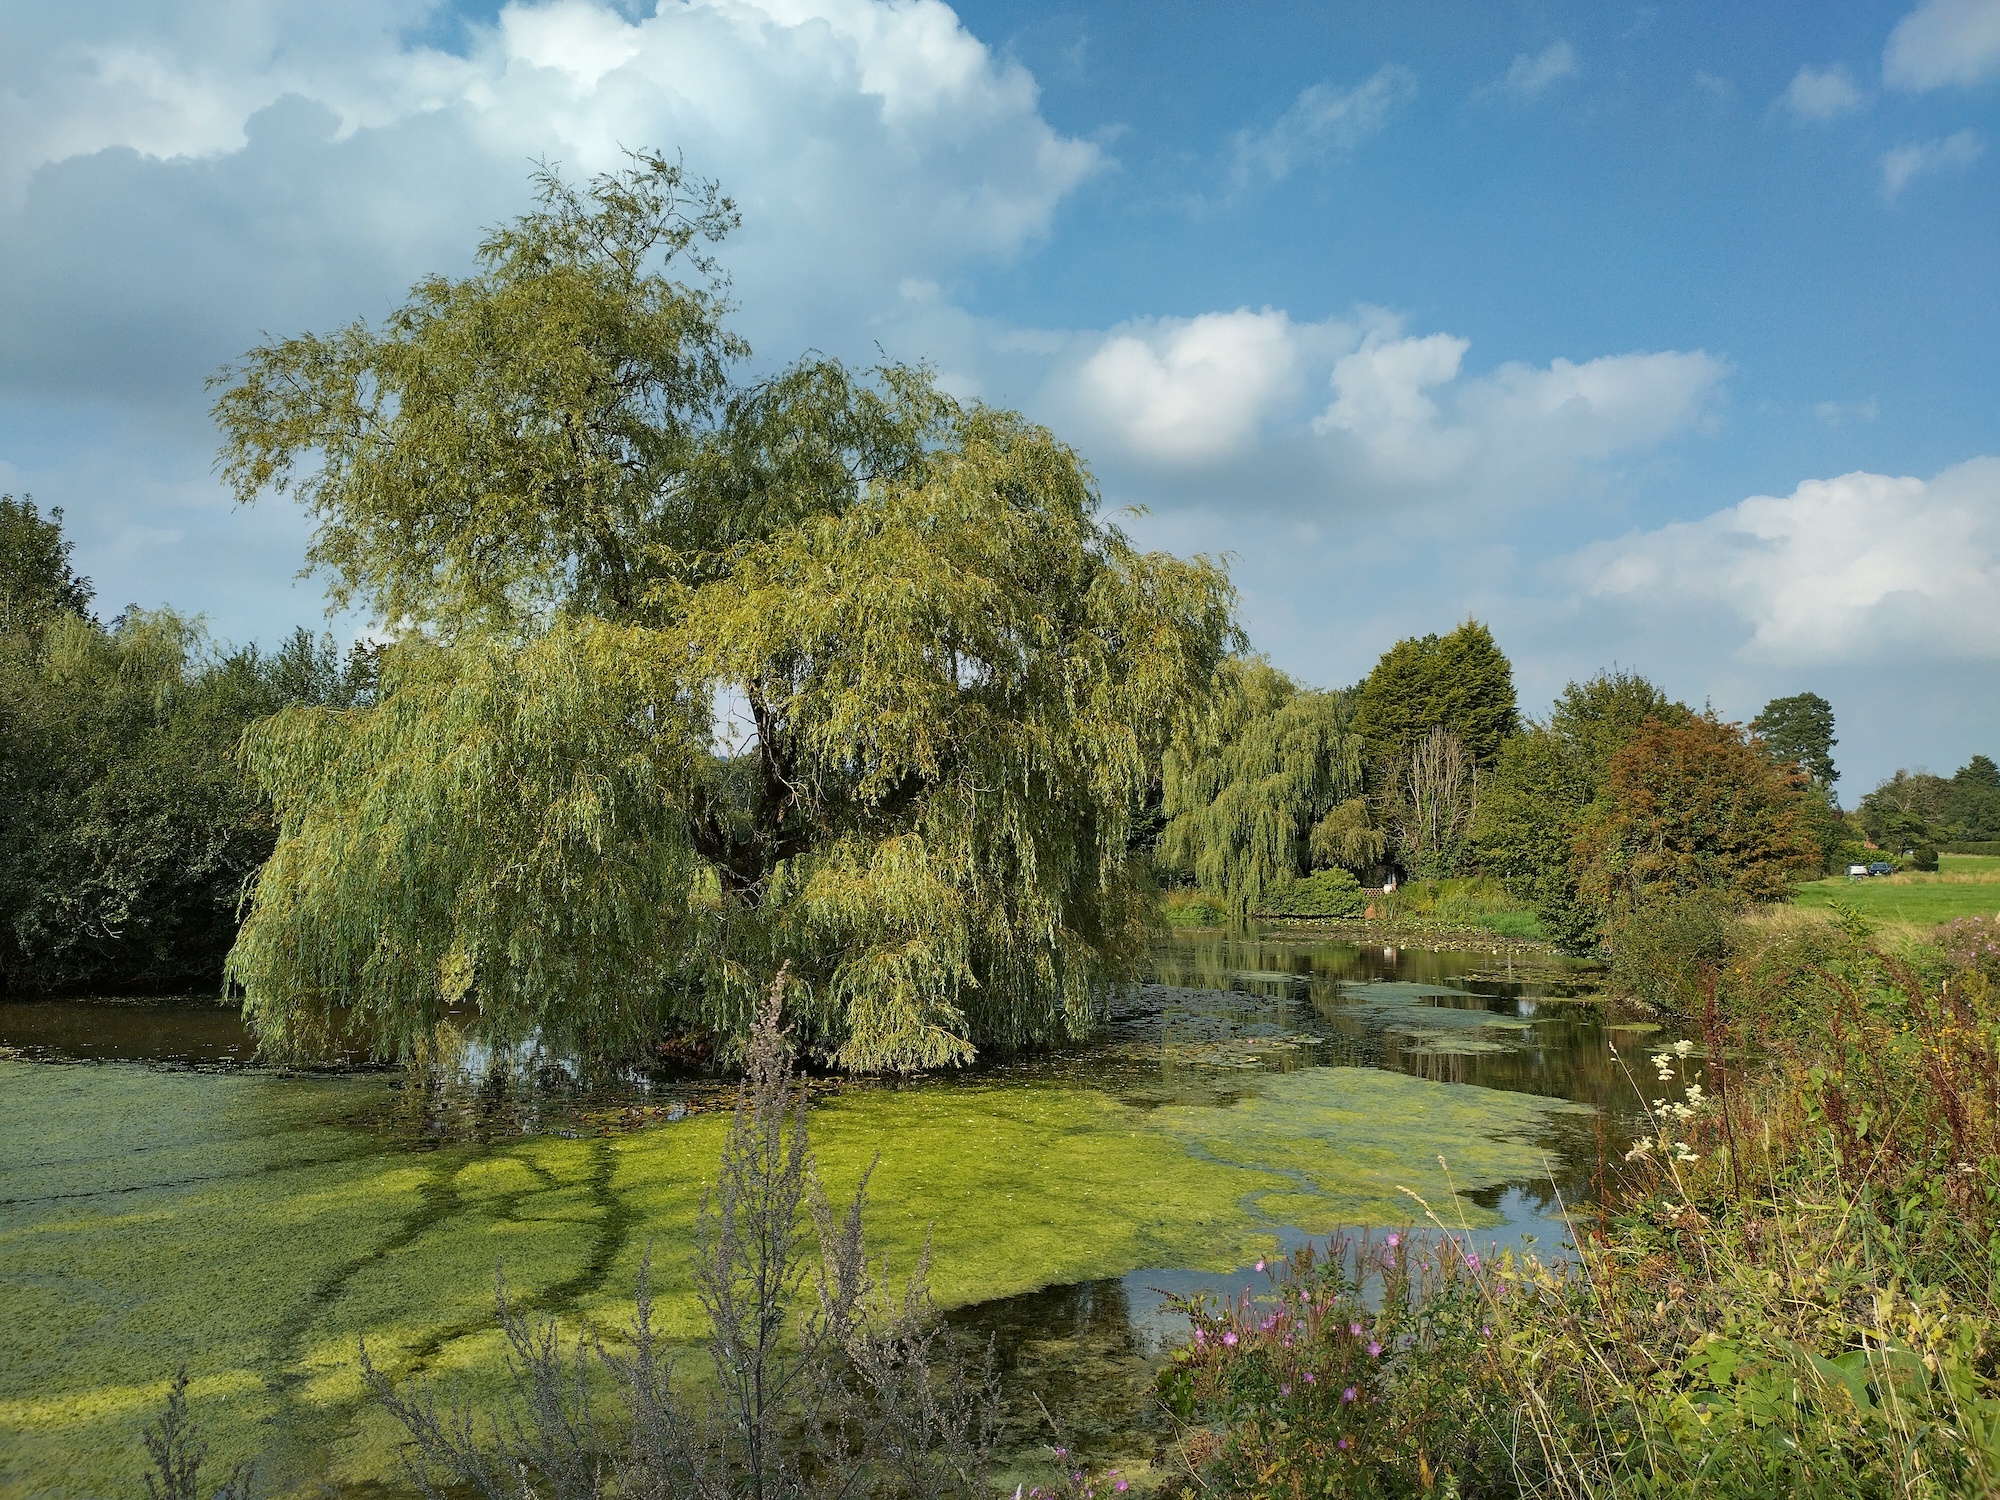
x,y
1683,1048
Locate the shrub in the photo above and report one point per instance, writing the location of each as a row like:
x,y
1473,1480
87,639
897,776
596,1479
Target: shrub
x,y
1667,951
1324,893
1369,1369
1514,924
1193,909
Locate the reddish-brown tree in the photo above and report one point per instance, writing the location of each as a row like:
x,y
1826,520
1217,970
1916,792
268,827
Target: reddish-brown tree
x,y
1692,806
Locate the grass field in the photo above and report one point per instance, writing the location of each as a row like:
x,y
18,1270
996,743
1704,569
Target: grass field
x,y
1965,885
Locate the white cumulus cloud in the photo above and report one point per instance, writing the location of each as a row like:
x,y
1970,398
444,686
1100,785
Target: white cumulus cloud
x,y
1402,428
176,180
1822,94
1951,153
1176,390
1861,567
1401,406
1322,121
1944,42
206,175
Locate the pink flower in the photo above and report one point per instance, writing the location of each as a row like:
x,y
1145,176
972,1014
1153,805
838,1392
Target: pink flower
x,y
1373,1348
1472,1261
1284,1390
1229,1338
1394,1239
1355,1329
1260,1265
1342,1445
1348,1394
1309,1377
1121,1486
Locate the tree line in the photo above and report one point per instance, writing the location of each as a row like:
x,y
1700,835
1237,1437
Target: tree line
x,y
1616,801
128,830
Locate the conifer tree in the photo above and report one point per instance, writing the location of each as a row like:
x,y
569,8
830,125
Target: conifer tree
x,y
1461,683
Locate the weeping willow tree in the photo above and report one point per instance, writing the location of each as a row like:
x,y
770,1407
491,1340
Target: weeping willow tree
x,y
950,683
1267,785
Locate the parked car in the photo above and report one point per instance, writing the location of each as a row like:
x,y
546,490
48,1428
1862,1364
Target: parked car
x,y
1857,872
1881,867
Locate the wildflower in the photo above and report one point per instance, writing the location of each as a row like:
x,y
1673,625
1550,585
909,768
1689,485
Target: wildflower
x,y
1373,1348
1284,1390
1309,1378
1485,1332
1198,1336
1639,1148
1394,1239
1470,1260
1260,1265
1355,1329
1683,1048
1229,1338
1341,1445
1121,1486
1348,1394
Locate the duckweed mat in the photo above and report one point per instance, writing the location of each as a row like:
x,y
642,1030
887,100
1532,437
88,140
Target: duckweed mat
x,y
260,1227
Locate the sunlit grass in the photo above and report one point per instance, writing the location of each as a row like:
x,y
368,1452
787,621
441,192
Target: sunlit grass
x,y
1964,885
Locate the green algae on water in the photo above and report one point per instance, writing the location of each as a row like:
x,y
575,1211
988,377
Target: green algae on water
x,y
259,1227
1353,1140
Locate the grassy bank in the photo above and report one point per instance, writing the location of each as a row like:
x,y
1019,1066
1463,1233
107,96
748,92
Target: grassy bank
x,y
1964,885
1467,905
1790,1288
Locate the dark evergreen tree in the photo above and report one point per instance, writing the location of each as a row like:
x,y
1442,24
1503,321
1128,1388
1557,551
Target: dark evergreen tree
x,y
1799,731
1461,683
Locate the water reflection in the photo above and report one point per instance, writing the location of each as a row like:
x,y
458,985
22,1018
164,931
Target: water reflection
x,y
186,1032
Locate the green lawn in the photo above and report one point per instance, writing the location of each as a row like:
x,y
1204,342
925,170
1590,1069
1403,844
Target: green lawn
x,y
1965,885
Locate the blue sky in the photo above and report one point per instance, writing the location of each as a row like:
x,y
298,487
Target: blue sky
x,y
1663,336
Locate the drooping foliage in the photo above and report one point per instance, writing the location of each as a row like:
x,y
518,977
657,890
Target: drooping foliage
x,y
859,679
1693,807
503,817
1267,788
1461,683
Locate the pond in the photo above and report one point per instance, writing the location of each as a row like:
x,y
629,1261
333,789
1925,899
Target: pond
x,y
160,1201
